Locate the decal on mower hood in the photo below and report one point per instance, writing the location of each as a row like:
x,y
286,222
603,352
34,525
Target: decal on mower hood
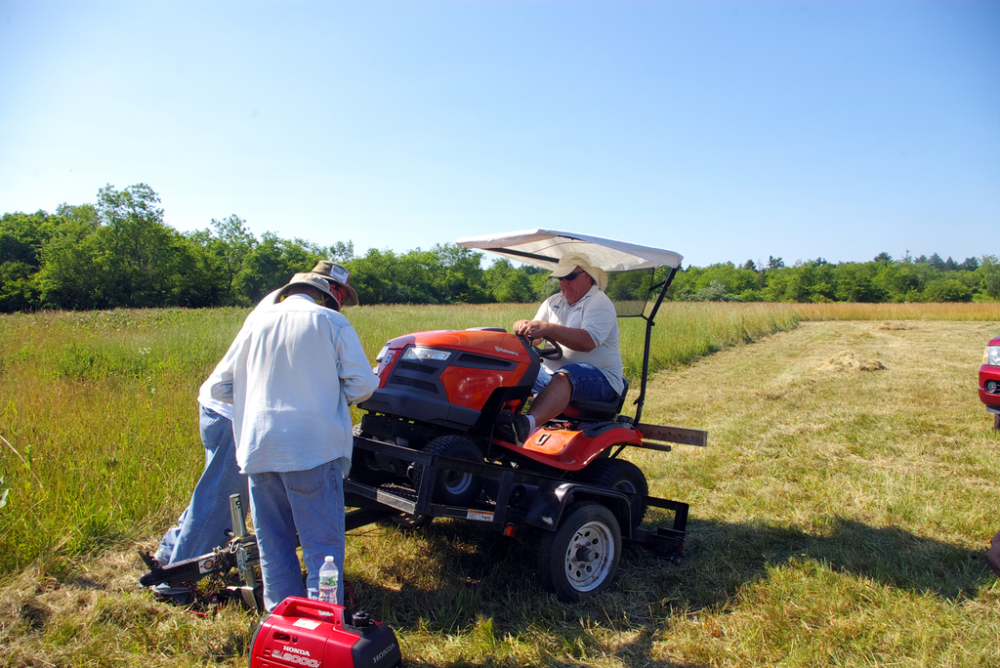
x,y
504,350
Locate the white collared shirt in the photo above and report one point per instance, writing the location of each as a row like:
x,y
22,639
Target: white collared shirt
x,y
594,313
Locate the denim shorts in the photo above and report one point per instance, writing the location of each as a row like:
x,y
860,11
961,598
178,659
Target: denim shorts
x,y
589,384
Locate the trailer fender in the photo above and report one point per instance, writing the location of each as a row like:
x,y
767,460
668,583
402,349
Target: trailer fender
x,y
553,498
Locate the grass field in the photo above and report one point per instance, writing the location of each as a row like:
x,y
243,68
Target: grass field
x,y
838,516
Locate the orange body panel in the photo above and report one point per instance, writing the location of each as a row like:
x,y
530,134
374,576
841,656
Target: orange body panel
x,y
572,449
469,387
473,390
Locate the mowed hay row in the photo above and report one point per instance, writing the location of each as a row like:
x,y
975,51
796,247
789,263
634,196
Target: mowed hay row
x,y
843,505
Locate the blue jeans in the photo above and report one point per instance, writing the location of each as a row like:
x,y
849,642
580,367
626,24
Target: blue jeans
x,y
589,384
203,524
309,504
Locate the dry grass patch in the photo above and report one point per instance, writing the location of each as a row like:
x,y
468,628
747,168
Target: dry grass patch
x,y
846,359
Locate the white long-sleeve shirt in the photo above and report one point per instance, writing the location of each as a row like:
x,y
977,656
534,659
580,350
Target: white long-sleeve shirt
x,y
295,370
205,397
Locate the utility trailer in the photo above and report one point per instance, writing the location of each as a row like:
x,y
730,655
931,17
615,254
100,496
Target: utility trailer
x,y
578,529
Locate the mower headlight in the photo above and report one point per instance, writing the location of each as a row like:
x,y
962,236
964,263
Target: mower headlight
x,y
425,354
992,356
383,358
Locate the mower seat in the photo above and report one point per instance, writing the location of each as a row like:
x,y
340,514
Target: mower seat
x,y
597,410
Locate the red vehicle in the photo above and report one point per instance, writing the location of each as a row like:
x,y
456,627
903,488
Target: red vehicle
x,y
429,428
989,380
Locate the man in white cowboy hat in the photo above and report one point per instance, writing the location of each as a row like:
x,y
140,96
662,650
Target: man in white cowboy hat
x,y
581,319
202,526
297,368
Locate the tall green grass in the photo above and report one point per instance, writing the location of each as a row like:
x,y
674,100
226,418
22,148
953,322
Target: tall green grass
x,y
983,311
99,419
97,413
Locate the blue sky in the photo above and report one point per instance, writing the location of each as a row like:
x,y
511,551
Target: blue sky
x,y
724,131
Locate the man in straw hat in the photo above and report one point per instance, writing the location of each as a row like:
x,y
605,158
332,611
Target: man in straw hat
x,y
202,526
296,370
581,319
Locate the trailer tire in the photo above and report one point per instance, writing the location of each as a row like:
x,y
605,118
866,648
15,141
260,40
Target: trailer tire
x,y
580,558
620,475
454,487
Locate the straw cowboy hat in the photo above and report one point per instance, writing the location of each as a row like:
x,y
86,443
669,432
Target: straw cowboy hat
x,y
332,271
570,261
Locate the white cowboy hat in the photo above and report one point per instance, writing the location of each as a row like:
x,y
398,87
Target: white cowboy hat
x,y
570,261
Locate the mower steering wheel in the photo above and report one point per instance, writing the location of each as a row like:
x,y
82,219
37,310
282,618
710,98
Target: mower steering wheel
x,y
553,353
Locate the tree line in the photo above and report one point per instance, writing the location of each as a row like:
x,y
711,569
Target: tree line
x,y
119,253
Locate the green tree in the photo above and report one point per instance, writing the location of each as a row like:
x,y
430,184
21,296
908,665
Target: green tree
x,y
22,238
231,243
507,284
855,283
715,291
947,290
72,276
341,252
458,276
136,246
989,273
264,269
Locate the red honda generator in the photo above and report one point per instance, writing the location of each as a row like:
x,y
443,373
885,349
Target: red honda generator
x,y
315,634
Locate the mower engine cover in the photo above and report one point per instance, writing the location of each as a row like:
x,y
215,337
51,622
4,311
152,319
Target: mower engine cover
x,y
448,378
315,634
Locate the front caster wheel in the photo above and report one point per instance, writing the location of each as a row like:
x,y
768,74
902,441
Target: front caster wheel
x,y
580,558
453,487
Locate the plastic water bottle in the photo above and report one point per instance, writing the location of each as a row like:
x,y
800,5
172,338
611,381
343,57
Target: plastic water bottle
x,y
328,578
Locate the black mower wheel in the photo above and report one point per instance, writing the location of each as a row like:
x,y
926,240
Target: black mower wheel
x,y
620,475
364,468
996,420
580,558
455,487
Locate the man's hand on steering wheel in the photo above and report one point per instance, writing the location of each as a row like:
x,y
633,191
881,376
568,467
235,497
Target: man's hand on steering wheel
x,y
532,329
555,352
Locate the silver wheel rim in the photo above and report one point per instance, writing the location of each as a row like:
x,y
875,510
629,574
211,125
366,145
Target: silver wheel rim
x,y
589,556
457,482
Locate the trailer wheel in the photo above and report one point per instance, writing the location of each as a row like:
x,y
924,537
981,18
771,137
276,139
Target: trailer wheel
x,y
455,487
580,558
620,475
